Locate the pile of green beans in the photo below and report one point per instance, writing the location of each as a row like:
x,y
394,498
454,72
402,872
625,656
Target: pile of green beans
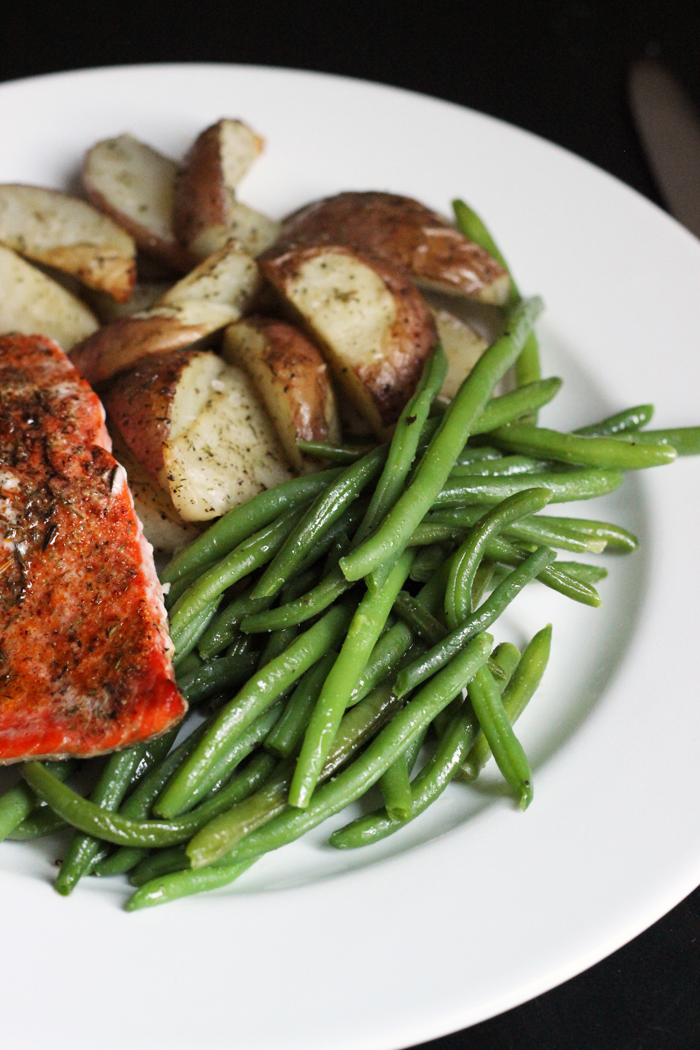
x,y
333,632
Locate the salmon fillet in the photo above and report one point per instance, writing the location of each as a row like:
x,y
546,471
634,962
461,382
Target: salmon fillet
x,y
85,655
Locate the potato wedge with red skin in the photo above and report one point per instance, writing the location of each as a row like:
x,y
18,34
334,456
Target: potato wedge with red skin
x,y
405,233
195,424
206,213
291,379
69,234
371,323
213,295
32,303
135,185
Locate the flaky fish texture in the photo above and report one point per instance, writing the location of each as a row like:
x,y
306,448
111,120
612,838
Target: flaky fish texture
x,y
85,655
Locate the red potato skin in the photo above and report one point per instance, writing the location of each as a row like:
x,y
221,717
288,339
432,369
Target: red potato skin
x,y
139,404
411,339
399,230
85,662
121,344
294,361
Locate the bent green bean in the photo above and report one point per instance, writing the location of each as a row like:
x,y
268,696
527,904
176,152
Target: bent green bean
x,y
629,419
505,746
394,532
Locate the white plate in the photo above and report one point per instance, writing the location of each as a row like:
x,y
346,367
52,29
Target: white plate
x,y
475,907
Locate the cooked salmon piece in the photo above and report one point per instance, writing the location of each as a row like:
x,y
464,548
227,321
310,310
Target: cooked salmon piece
x,y
85,655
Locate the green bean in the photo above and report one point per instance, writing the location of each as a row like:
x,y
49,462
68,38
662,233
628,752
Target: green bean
x,y
188,664
395,787
338,531
618,453
428,561
277,642
114,782
242,644
564,486
222,630
582,572
558,579
325,510
522,687
173,591
485,615
616,538
258,693
527,367
482,580
184,883
341,454
502,467
288,731
226,672
40,822
505,746
229,759
311,604
365,770
363,633
187,639
358,726
537,529
465,562
18,801
527,398
385,659
251,554
630,419
159,862
685,440
393,534
404,443
477,454
418,618
241,522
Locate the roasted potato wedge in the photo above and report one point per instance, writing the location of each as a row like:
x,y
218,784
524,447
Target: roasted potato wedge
x,y
135,185
463,347
206,213
144,296
206,300
370,321
291,379
34,304
194,423
162,525
68,234
404,232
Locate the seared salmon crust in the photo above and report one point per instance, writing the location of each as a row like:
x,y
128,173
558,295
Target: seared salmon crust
x,y
85,655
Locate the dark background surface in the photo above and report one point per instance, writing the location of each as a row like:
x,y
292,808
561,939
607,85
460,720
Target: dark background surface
x,y
557,68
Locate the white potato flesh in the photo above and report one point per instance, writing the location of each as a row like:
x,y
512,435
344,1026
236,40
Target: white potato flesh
x,y
162,526
463,347
254,231
229,277
144,296
227,453
69,234
135,184
239,146
33,304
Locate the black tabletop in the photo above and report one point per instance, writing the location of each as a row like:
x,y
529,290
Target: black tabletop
x,y
556,67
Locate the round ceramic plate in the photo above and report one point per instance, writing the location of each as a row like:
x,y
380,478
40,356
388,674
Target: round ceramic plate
x,y
475,907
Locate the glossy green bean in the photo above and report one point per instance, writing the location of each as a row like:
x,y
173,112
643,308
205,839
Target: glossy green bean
x,y
253,553
485,615
482,581
324,511
582,572
187,639
553,576
505,746
385,659
354,781
18,801
629,419
418,618
258,693
465,562
358,726
223,628
363,634
565,487
428,561
502,467
393,534
223,673
521,688
315,601
340,454
40,823
157,863
616,538
527,367
508,407
184,883
538,529
188,664
243,521
277,642
395,786
604,453
404,443
288,731
685,440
